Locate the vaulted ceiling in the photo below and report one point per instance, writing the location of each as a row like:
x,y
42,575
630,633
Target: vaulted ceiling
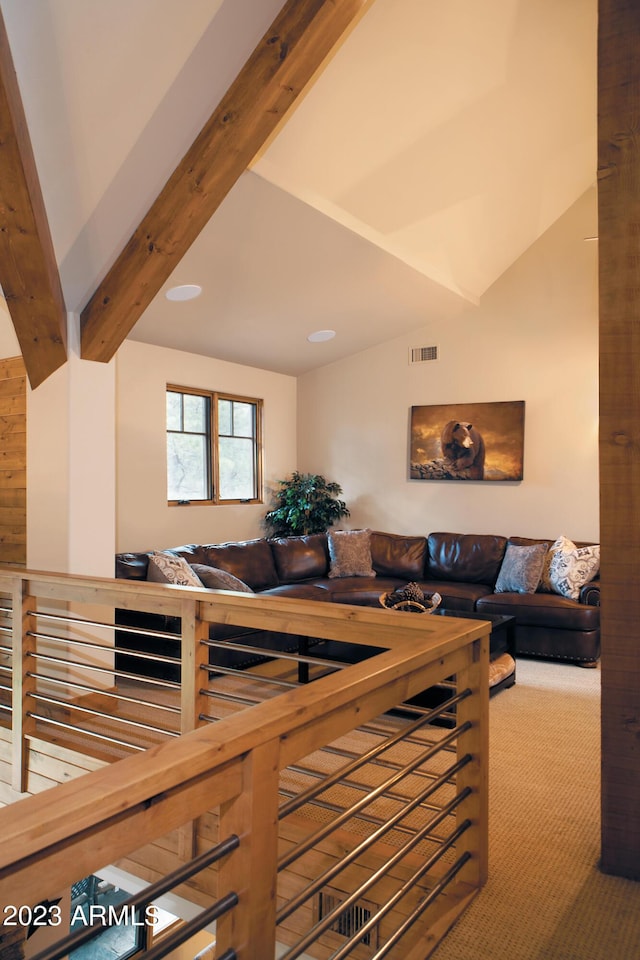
x,y
436,145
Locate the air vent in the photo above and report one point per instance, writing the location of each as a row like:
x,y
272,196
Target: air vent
x,y
422,354
350,921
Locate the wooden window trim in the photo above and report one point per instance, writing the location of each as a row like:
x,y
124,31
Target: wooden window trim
x,y
214,396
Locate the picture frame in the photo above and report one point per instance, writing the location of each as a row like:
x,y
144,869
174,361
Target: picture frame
x,y
467,441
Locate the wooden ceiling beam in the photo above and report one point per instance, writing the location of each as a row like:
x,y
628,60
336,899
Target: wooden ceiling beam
x,y
28,270
283,63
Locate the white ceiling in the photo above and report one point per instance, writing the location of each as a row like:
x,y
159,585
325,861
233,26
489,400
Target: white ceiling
x,y
438,144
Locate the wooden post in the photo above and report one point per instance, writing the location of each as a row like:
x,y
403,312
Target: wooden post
x,y
619,256
194,655
476,774
192,702
250,871
23,645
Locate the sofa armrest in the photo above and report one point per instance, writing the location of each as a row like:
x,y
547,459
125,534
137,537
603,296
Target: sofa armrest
x,y
590,593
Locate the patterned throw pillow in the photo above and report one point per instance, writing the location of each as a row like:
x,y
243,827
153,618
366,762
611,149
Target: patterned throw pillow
x,y
571,567
521,568
350,553
165,568
217,579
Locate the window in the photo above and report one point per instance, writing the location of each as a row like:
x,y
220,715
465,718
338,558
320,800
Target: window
x,y
213,447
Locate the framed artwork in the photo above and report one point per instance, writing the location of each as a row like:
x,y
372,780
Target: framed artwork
x,y
467,441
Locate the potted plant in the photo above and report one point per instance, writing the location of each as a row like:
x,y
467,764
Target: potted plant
x,y
304,503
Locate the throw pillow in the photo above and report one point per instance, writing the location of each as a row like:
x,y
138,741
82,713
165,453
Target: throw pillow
x,y
350,553
521,569
217,579
165,568
545,579
571,567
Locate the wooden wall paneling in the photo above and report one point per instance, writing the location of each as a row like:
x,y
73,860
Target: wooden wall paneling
x,y
619,278
13,461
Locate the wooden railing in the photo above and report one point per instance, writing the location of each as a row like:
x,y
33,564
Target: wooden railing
x,y
211,805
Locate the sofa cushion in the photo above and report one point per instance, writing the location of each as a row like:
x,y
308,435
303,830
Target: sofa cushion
x,y
249,560
165,568
542,609
299,591
394,555
521,568
350,553
216,579
456,595
300,558
363,591
469,558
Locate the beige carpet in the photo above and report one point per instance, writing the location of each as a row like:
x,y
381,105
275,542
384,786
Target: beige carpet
x,y
546,898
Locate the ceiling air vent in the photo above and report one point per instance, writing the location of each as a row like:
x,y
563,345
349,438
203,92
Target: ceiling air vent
x,y
421,354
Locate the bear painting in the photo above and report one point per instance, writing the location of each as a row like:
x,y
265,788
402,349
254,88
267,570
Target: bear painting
x,y
468,442
463,449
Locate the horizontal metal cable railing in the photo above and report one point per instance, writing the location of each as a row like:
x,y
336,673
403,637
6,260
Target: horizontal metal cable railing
x,y
357,809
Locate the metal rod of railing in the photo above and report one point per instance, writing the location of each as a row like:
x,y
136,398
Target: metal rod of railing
x,y
384,828
85,732
5,706
364,758
80,621
121,651
146,896
4,649
433,894
70,705
104,692
327,921
305,845
184,932
215,671
275,654
231,697
351,784
120,674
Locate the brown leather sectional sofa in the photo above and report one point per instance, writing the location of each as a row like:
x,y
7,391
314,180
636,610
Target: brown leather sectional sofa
x,y
463,568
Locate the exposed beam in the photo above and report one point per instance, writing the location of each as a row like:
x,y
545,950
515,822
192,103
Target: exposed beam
x,y
28,269
280,67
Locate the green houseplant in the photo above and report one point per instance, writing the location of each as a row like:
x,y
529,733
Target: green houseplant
x,y
304,503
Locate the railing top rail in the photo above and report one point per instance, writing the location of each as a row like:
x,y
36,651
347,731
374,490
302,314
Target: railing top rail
x,y
302,719
368,625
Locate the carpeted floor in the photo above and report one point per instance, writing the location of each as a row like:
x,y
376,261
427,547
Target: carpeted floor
x,y
546,898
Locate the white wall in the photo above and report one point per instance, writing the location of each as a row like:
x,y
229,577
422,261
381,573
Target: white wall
x,y
71,466
144,519
534,337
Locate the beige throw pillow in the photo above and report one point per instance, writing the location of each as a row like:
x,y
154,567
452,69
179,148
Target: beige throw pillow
x,y
350,553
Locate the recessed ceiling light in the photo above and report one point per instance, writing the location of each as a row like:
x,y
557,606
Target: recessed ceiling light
x,y
321,335
186,291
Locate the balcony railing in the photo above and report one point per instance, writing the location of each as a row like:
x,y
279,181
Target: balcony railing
x,y
329,816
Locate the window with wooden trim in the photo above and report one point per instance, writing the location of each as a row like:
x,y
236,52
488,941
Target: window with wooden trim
x,y
214,447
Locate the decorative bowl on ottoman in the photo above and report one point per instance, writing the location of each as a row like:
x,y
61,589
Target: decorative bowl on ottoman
x,y
411,598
